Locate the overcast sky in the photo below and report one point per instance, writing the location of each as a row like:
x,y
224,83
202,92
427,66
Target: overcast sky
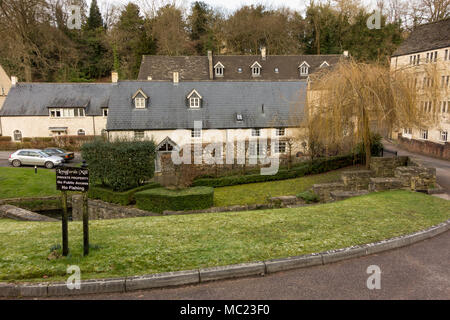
x,y
230,5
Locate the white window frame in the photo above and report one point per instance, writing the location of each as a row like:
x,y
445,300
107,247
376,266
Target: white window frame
x,y
281,145
139,103
139,134
81,130
256,69
219,69
196,133
194,103
280,132
17,134
256,132
443,135
424,134
105,110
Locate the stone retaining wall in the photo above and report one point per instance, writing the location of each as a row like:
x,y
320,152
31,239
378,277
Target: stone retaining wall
x,y
385,167
16,213
103,210
427,148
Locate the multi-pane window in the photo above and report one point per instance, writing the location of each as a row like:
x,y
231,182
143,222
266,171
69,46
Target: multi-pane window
x,y
256,132
17,135
255,149
407,131
424,134
66,112
304,70
194,102
444,135
281,147
139,135
81,132
281,132
219,71
196,133
256,71
444,107
239,117
446,55
139,103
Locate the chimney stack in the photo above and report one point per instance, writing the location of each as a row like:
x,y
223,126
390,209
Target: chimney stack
x,y
14,81
176,78
149,78
210,64
263,53
114,77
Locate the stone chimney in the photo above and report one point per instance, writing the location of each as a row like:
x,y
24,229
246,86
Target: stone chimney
x,y
263,53
14,81
114,77
176,77
149,78
210,64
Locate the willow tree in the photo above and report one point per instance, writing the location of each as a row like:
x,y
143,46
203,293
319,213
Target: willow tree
x,y
348,102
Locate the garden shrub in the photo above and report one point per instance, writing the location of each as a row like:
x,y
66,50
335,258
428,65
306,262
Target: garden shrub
x,y
5,139
309,196
311,167
161,199
123,198
120,165
376,146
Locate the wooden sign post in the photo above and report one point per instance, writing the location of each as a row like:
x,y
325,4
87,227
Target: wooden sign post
x,y
73,179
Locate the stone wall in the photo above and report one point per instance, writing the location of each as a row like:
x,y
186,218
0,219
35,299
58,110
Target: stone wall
x,y
427,148
99,210
356,180
16,213
385,167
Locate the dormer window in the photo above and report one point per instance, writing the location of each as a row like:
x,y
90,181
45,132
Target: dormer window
x,y
276,70
140,99
304,68
239,70
256,69
218,69
194,99
239,117
324,65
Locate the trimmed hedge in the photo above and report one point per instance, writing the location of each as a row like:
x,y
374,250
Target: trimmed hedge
x,y
5,139
315,167
161,199
120,165
122,198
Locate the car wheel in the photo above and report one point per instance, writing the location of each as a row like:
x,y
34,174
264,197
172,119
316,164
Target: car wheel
x,y
16,163
49,165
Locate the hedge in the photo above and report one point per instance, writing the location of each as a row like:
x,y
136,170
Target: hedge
x,y
5,139
314,167
123,198
158,200
120,165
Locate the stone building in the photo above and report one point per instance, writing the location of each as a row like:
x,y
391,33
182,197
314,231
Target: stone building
x,y
262,67
52,109
426,53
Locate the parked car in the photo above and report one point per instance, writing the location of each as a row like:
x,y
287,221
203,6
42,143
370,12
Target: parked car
x,y
67,156
34,157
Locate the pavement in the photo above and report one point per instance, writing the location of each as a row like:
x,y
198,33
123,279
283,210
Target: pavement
x,y
419,271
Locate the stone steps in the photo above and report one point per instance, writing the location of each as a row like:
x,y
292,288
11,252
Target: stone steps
x,y
383,184
342,195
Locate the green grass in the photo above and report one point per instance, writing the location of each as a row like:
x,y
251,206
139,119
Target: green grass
x,y
158,244
258,193
23,182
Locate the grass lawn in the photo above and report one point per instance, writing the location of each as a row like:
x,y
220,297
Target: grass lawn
x,y
168,243
23,182
257,193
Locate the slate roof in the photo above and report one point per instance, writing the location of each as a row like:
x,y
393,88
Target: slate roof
x,y
34,99
283,105
197,67
426,37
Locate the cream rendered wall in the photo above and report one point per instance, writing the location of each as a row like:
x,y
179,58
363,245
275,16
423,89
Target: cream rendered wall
x,y
37,126
5,83
443,67
183,136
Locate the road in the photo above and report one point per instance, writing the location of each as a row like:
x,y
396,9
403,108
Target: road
x,y
4,155
419,271
442,166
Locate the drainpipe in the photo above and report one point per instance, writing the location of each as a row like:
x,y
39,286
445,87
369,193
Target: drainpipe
x,y
93,124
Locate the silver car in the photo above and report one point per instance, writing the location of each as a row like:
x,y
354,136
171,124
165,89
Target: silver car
x,y
34,157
